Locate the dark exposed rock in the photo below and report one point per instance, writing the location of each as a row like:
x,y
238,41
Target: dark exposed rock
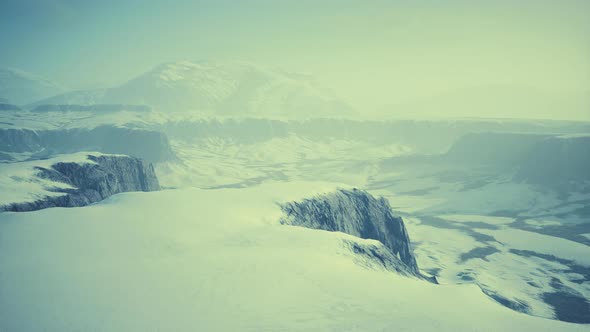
x,y
8,107
19,140
557,162
357,213
92,182
478,252
499,149
560,162
373,255
152,146
569,305
514,304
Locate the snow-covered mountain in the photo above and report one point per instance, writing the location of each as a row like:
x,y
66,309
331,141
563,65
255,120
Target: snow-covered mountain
x,y
20,87
218,88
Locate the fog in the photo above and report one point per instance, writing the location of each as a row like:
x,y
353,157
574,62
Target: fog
x,y
261,165
525,59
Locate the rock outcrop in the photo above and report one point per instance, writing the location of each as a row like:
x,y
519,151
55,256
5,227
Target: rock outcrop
x,y
357,213
99,108
498,149
558,162
8,107
103,176
152,146
561,162
19,140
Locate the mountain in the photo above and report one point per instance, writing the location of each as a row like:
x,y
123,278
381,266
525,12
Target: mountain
x,y
218,88
20,87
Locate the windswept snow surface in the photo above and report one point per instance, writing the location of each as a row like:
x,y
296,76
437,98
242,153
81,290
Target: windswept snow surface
x,y
216,260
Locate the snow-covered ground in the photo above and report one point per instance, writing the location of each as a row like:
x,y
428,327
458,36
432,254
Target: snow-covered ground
x,y
179,256
217,260
19,182
218,162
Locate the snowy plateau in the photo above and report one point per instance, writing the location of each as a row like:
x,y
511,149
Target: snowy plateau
x,y
216,196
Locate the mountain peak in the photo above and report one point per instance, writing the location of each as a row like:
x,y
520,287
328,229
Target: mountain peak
x,y
221,88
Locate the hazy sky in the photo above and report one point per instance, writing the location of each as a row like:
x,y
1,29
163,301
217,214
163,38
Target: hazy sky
x,y
372,53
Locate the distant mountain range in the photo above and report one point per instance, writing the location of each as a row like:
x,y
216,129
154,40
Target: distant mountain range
x,y
217,88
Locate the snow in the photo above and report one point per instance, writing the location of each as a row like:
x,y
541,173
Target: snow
x,y
217,162
476,218
542,223
220,88
501,271
216,260
524,240
19,183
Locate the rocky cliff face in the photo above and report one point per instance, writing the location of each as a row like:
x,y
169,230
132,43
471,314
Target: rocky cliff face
x,y
8,107
103,176
150,145
19,140
99,108
561,162
553,161
499,149
357,213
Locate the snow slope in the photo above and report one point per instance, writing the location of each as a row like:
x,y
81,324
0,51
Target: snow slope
x,y
186,260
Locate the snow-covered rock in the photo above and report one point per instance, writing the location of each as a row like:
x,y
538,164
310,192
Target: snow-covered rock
x,y
553,161
357,213
501,149
186,260
558,161
150,145
80,182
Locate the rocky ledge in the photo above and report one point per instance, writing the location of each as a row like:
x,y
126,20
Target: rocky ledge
x,y
92,180
358,213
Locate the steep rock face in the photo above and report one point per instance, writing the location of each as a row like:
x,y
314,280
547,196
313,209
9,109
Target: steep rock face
x,y
553,161
152,146
357,213
500,149
105,176
19,140
559,161
8,107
